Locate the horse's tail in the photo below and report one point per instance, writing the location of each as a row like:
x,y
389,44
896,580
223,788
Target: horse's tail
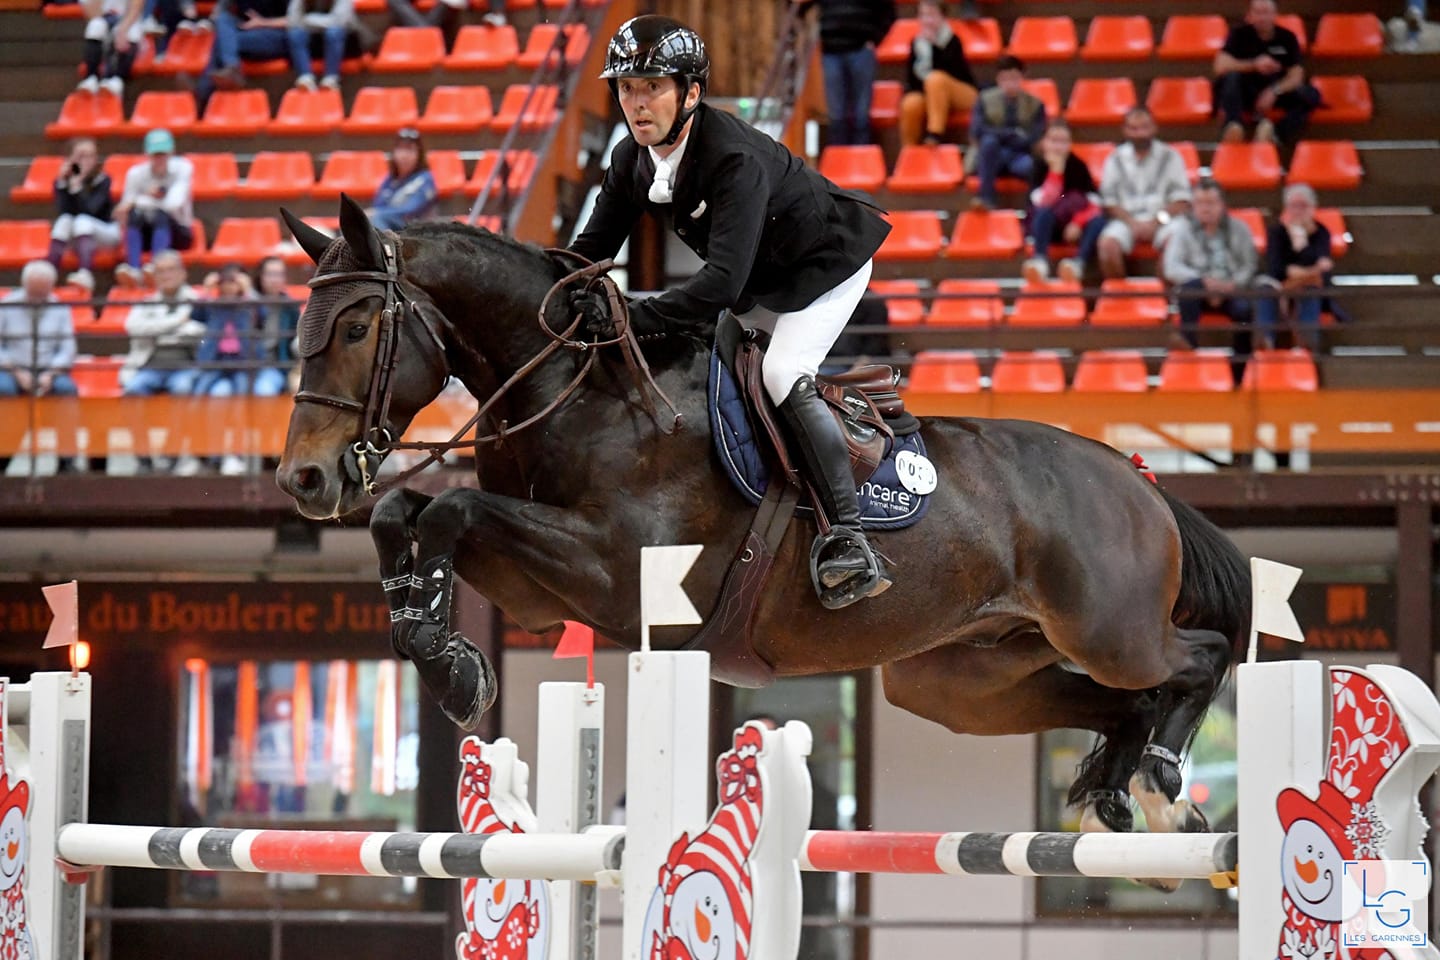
x,y
1214,578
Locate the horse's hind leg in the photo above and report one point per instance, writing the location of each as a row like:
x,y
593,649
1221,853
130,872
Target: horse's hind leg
x,y
1184,698
392,528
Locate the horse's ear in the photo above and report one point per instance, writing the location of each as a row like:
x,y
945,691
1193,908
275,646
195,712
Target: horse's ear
x,y
312,241
359,233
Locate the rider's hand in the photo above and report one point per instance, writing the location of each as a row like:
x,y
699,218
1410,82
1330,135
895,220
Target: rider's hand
x,y
592,305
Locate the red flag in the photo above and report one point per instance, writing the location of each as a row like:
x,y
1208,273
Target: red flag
x,y
64,600
578,640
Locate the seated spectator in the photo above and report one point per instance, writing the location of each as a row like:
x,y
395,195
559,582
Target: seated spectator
x,y
937,78
85,220
850,30
37,339
112,40
1298,255
446,14
156,206
227,350
163,335
165,18
1006,125
248,30
408,191
332,21
1260,69
1143,186
279,319
1064,207
1210,250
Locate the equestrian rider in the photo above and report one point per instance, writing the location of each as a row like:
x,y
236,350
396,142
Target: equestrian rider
x,y
784,248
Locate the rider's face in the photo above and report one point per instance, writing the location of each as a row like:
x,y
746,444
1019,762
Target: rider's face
x,y
650,105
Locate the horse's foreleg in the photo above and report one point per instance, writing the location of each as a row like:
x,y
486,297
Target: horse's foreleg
x,y
392,529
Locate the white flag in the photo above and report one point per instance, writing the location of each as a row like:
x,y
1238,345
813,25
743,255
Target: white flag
x,y
662,598
1271,584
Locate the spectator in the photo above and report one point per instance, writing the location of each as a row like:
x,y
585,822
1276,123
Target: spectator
x,y
279,317
446,14
37,339
937,79
85,220
1064,207
112,39
228,348
333,21
1258,70
248,30
155,206
163,335
165,18
408,191
1412,33
1143,186
850,30
1298,251
1006,124
1212,251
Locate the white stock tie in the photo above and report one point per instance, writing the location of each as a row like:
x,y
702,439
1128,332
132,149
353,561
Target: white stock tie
x,y
664,179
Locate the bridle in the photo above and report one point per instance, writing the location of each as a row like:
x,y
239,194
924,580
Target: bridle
x,y
364,456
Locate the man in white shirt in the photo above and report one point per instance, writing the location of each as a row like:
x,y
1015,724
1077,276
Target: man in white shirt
x,y
163,335
156,205
1144,187
37,339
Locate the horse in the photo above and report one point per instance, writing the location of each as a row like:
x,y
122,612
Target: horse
x,y
1051,584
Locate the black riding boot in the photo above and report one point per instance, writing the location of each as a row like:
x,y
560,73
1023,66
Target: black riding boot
x,y
843,565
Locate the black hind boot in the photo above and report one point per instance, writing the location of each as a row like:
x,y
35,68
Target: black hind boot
x,y
843,565
456,674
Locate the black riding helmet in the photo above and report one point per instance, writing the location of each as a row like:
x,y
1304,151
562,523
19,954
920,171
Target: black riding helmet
x,y
654,46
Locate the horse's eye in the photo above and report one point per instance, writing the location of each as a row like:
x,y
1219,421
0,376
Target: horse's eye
x,y
356,332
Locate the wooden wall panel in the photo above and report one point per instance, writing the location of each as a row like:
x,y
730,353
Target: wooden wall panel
x,y
740,35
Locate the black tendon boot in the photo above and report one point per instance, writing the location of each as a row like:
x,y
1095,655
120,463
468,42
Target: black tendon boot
x,y
842,564
457,675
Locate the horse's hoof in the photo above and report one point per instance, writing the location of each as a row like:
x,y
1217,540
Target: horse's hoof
x,y
1163,885
459,677
1107,812
401,632
1189,818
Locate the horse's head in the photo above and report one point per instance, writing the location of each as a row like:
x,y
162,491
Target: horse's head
x,y
371,358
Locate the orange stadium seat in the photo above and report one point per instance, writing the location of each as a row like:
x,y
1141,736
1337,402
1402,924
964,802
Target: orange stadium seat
x,y
1192,37
1334,221
854,167
885,103
1254,222
245,240
456,110
117,165
355,172
1281,370
63,11
1111,371
410,50
902,311
448,170
1343,100
234,113
1349,35
1094,155
1326,165
1046,90
914,235
483,47
895,46
1180,100
986,235
275,175
87,115
39,183
1196,371
980,38
1100,100
522,169
1296,25
217,175
1131,311
1048,311
22,241
116,310
944,371
1118,38
305,113
1246,166
278,66
173,111
927,169
987,310
1043,38
542,37
97,377
539,114
1026,371
189,52
1190,155
382,110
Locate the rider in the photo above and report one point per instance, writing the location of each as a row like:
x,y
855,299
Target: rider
x,y
783,247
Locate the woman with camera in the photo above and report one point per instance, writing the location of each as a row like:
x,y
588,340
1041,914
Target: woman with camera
x,y
85,208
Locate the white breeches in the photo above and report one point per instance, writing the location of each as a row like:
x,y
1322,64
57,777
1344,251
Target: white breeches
x,y
68,226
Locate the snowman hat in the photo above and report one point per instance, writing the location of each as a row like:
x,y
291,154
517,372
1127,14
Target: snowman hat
x,y
1331,810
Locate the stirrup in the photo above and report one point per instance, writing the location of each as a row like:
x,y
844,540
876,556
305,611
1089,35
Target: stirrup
x,y
870,582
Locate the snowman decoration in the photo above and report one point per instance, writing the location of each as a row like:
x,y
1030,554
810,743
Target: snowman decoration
x,y
15,939
504,919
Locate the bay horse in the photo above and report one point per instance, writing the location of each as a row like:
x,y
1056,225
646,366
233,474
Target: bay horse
x,y
1051,585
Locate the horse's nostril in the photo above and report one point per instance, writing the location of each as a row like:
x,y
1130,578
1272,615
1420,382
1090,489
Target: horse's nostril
x,y
304,481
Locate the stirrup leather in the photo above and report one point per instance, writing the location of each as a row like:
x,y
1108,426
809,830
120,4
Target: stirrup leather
x,y
869,582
